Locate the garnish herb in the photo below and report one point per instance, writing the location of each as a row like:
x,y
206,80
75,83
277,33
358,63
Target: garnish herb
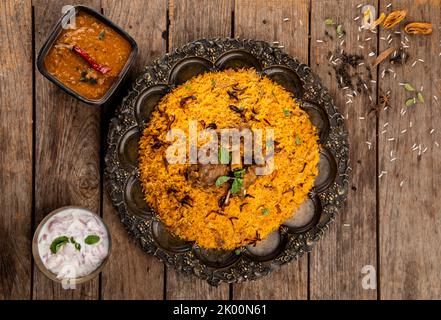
x,y
83,76
102,35
329,22
187,87
76,244
237,252
237,185
239,173
298,141
221,180
265,211
237,180
408,87
58,243
92,239
286,112
213,83
224,156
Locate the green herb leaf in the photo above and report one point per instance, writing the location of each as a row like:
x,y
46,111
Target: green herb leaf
x,y
298,141
329,22
221,180
410,102
420,97
92,239
83,76
239,173
187,87
340,31
102,35
213,83
224,156
408,87
58,243
286,112
238,252
76,244
265,211
237,184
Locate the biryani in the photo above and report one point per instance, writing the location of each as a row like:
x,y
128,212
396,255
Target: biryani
x,y
228,203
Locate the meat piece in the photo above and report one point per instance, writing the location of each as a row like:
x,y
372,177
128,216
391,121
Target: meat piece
x,y
205,175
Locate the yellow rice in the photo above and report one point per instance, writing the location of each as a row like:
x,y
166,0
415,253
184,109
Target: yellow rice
x,y
275,196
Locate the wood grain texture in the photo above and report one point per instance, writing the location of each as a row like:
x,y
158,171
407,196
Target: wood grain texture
x,y
130,272
410,228
264,20
191,20
67,155
15,149
350,244
195,19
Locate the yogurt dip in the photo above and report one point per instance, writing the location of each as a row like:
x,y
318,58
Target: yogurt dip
x,y
73,243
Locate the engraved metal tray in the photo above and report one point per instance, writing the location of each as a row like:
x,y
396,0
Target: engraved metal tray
x,y
295,236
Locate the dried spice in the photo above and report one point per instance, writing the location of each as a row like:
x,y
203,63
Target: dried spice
x,y
378,21
410,102
382,56
408,87
184,100
394,18
418,28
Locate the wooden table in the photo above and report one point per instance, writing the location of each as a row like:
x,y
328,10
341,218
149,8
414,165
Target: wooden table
x,y
52,150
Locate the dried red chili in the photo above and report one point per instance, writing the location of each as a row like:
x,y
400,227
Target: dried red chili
x,y
91,61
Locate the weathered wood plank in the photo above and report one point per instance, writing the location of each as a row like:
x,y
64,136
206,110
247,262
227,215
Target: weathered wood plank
x,y
410,227
350,244
67,152
15,149
131,273
191,20
195,19
267,20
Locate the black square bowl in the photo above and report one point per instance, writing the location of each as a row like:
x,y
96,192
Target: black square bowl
x,y
53,37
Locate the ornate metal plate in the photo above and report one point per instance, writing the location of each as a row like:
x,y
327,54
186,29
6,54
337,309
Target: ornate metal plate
x,y
295,236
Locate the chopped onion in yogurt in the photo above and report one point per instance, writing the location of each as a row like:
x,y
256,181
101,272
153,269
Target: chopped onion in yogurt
x,y
73,258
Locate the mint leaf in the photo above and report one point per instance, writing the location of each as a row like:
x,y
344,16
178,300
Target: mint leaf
x,y
102,35
224,156
265,211
92,239
221,180
58,243
286,112
298,141
237,184
239,173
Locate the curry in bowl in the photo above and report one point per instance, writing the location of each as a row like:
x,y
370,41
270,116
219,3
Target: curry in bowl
x,y
89,57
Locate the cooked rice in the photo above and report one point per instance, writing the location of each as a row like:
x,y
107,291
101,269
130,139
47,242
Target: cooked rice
x,y
274,197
